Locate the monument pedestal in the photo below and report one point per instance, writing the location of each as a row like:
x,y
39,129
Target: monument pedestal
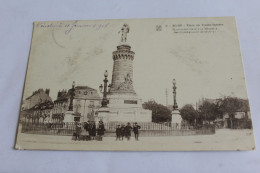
x,y
176,117
124,107
124,115
102,114
71,117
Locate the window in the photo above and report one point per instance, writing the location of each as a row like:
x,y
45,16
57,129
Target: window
x,y
91,103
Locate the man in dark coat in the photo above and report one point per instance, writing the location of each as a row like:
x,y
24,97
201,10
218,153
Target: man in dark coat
x,y
92,130
128,129
122,131
136,128
100,130
87,128
78,131
118,132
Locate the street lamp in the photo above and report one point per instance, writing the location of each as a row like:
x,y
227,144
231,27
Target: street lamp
x,y
104,100
101,88
72,96
175,106
106,74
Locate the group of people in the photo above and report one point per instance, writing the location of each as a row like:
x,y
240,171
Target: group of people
x,y
125,131
89,131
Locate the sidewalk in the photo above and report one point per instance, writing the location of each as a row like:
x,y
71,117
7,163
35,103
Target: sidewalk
x,y
224,139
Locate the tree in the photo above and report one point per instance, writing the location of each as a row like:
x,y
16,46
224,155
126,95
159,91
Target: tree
x,y
160,113
231,105
208,111
188,113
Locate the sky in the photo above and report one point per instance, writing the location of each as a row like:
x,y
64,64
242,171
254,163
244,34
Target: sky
x,y
205,65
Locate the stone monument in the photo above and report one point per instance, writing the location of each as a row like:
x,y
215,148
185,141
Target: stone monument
x,y
123,102
69,115
176,116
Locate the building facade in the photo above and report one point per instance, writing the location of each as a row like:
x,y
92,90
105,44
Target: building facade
x,y
86,101
37,108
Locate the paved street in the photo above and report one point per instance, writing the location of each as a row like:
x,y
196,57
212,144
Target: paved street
x,y
224,139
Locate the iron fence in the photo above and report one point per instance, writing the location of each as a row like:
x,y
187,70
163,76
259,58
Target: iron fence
x,y
147,129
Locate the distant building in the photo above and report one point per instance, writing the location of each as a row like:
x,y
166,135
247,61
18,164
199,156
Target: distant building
x,y
61,105
239,115
39,96
85,103
241,119
37,107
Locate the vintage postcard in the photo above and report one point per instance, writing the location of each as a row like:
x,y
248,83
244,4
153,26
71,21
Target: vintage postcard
x,y
135,85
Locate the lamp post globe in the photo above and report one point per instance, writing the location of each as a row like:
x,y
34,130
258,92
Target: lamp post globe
x,y
106,74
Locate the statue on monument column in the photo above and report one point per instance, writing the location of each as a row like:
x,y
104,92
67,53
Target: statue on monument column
x,y
124,30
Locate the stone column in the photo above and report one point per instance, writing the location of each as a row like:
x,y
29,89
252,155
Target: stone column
x,y
122,77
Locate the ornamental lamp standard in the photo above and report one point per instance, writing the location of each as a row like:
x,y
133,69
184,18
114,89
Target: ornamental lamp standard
x,y
100,88
72,96
104,100
175,106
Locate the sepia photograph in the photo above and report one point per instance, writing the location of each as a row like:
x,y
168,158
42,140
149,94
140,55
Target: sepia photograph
x,y
169,84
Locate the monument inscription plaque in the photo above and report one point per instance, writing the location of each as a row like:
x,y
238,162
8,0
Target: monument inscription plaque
x,y
130,101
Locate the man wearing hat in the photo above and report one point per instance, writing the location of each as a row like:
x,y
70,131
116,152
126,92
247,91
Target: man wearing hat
x,y
87,128
92,130
136,128
78,131
100,130
128,129
122,131
118,132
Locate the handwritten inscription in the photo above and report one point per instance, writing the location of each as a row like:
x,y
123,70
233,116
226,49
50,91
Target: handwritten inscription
x,y
179,28
70,26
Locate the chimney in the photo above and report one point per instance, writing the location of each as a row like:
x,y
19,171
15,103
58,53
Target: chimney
x,y
58,94
47,91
